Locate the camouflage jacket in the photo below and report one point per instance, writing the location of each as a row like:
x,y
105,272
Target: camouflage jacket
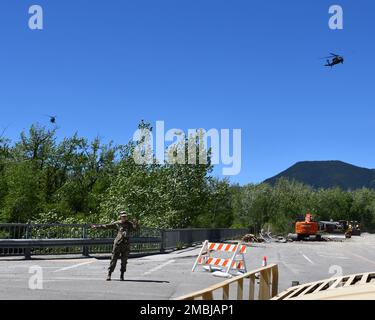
x,y
123,230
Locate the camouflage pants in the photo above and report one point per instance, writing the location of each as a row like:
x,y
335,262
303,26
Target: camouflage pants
x,y
119,252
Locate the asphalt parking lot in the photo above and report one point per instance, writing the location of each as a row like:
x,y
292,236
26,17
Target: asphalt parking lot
x,y
167,276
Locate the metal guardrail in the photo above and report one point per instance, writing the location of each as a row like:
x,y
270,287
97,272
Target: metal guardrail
x,y
267,286
189,237
46,239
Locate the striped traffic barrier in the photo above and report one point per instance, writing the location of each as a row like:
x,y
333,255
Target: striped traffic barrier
x,y
235,261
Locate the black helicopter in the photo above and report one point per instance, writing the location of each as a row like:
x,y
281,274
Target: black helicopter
x,y
52,119
335,59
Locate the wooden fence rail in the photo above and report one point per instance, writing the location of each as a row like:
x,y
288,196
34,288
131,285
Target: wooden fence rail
x,y
267,286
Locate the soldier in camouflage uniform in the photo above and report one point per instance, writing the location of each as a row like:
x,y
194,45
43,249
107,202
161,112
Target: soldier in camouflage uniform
x,y
121,246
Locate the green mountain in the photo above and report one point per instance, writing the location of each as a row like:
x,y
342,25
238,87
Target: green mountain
x,y
329,174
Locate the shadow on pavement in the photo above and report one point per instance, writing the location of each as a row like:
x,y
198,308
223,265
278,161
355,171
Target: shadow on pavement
x,y
136,280
45,258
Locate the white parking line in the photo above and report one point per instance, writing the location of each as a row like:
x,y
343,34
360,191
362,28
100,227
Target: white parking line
x,y
308,259
75,266
363,258
159,267
333,257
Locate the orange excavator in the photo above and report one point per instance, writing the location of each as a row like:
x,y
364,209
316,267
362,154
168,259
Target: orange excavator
x,y
306,230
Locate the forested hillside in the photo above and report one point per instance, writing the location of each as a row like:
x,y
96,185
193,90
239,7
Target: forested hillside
x,y
328,174
44,178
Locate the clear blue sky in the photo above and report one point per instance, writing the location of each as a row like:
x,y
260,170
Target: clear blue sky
x,y
102,66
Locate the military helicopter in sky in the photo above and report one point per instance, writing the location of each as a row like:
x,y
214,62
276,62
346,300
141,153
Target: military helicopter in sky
x,y
52,119
334,59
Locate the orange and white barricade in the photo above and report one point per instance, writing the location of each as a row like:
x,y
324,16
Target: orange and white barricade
x,y
235,260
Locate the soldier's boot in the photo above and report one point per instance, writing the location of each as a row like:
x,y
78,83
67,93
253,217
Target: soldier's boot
x,y
122,276
109,277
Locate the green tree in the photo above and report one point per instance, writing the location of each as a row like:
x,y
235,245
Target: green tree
x,y
24,199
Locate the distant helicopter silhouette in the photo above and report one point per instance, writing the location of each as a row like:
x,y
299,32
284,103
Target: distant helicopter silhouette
x,y
335,59
52,119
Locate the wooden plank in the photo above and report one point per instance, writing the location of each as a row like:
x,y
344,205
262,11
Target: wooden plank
x,y
275,281
226,292
229,281
208,295
252,287
264,290
240,289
